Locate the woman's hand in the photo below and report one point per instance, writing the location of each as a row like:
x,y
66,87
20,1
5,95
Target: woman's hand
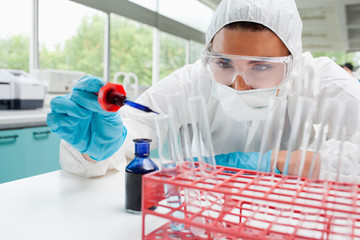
x,y
294,163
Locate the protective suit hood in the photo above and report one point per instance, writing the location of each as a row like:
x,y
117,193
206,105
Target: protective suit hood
x,y
281,16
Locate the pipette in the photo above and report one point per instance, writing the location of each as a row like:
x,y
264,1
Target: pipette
x,y
112,97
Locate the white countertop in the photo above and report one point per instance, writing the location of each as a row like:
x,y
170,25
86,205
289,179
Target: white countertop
x,y
11,119
60,205
19,118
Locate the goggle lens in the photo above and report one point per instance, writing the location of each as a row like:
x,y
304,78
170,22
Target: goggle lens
x,y
258,72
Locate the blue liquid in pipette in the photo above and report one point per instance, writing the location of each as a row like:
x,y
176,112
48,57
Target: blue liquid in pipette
x,y
120,100
138,106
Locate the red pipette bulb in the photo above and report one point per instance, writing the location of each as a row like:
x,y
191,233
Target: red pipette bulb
x,y
111,97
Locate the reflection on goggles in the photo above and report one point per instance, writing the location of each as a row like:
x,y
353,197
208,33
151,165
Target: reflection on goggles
x,y
257,72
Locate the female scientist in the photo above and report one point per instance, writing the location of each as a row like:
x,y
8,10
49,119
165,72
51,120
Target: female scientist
x,y
253,53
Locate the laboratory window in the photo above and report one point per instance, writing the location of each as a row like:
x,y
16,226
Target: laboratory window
x,y
15,34
195,51
71,37
172,53
131,50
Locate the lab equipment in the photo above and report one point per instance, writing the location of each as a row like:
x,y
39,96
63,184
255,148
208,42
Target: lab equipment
x,y
202,142
113,96
170,155
19,90
254,205
257,72
257,206
204,152
81,122
300,134
320,118
336,134
134,171
272,134
179,110
57,81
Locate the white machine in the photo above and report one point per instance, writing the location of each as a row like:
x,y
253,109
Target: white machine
x,y
19,90
57,81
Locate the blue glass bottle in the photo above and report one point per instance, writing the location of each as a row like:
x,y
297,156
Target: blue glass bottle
x,y
134,171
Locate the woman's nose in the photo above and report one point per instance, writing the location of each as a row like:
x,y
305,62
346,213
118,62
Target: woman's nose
x,y
239,83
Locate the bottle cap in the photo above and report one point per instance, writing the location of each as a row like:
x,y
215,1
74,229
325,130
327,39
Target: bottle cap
x,y
142,146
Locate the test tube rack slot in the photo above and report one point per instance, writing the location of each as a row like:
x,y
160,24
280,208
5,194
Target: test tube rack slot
x,y
234,204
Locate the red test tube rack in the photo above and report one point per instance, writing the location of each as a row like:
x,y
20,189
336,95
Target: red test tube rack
x,y
241,204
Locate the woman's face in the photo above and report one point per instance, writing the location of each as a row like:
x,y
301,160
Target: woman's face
x,y
248,43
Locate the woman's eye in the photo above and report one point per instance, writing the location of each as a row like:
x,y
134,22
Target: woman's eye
x,y
224,64
262,67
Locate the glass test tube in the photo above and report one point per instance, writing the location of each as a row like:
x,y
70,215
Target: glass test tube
x,y
348,149
203,150
335,123
338,136
202,136
271,141
178,109
303,114
321,116
168,155
272,133
308,107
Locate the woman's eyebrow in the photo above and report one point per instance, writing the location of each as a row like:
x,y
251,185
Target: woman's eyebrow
x,y
225,59
256,62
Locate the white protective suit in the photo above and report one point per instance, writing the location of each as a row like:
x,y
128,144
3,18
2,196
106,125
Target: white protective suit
x,y
309,76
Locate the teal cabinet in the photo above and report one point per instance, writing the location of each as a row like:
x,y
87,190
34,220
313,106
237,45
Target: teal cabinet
x,y
12,155
28,152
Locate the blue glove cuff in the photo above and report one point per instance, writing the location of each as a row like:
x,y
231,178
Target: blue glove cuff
x,y
247,161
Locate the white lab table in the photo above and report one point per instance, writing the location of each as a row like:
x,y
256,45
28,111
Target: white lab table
x,y
60,205
11,119
22,118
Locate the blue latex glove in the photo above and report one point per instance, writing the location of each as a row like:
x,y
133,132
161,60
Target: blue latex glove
x,y
247,161
80,121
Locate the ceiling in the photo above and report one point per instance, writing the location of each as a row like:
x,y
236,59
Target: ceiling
x,y
328,25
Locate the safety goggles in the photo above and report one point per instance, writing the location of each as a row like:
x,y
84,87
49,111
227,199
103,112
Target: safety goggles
x,y
257,72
